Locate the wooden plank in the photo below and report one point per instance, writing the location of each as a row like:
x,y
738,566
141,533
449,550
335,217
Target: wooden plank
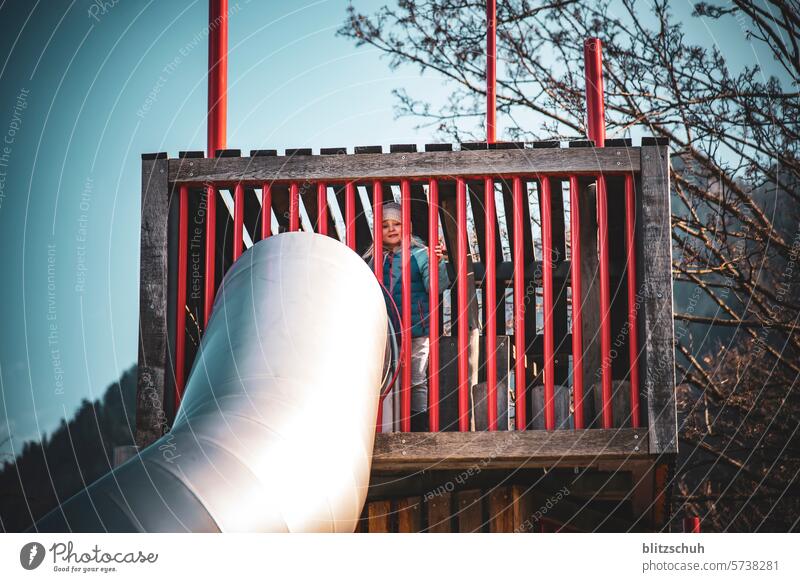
x,y
469,511
151,421
560,283
501,510
409,514
409,165
378,514
522,509
590,293
439,513
657,331
498,450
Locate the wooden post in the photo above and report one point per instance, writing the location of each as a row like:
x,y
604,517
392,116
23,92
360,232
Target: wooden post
x,y
657,362
151,418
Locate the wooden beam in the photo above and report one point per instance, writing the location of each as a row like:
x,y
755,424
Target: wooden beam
x,y
151,419
654,229
408,165
505,450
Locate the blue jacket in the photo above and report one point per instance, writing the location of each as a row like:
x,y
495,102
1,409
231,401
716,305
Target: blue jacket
x,y
420,284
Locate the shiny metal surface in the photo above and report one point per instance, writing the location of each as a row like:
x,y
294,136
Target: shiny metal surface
x,y
277,424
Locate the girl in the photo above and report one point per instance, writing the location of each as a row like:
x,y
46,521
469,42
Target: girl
x,y
420,310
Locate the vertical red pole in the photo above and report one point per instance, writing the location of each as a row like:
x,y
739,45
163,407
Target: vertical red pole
x,y
266,210
217,75
519,308
294,208
238,220
322,208
377,254
180,324
463,315
211,247
490,303
633,335
691,524
377,228
350,214
405,394
547,307
433,301
577,317
595,105
593,57
491,70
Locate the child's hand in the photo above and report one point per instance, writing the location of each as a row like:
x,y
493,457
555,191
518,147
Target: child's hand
x,y
441,252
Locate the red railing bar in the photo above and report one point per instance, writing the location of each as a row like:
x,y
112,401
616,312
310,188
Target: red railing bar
x,y
322,209
547,304
577,317
491,70
211,247
294,207
595,106
377,256
238,220
350,214
605,302
463,315
405,392
691,524
266,210
180,324
519,308
633,336
433,301
490,304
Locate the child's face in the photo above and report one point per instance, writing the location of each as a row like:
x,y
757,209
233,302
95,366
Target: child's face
x,y
392,232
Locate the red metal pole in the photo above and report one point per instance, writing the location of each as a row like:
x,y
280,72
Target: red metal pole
x,y
238,220
519,308
377,229
633,335
463,315
433,301
350,214
217,75
180,324
595,106
577,317
377,255
266,210
490,304
491,70
322,208
405,393
294,208
547,307
605,302
211,246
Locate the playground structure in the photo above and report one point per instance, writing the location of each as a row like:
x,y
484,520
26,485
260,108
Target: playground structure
x,y
565,248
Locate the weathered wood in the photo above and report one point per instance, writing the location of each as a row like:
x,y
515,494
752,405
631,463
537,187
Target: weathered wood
x,y
469,511
657,331
378,517
499,450
560,283
439,513
370,166
590,291
521,508
478,393
409,514
561,405
620,403
151,420
501,510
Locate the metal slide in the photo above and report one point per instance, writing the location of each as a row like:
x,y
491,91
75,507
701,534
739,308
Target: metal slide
x,y
277,423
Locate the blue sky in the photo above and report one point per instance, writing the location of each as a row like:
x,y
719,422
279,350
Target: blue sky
x,y
84,91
